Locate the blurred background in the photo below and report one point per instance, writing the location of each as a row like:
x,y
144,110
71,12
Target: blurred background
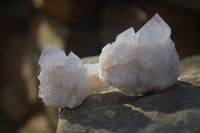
x,y
81,26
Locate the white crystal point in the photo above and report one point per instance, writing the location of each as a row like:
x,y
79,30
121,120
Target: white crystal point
x,y
50,55
117,60
62,78
93,83
123,44
147,61
155,31
128,34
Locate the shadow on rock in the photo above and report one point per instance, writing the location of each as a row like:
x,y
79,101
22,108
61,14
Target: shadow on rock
x,y
180,97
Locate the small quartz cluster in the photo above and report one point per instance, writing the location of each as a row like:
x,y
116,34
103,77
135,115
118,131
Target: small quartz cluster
x,y
64,80
135,63
143,61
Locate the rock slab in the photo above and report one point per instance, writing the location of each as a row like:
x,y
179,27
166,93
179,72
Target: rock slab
x,y
175,110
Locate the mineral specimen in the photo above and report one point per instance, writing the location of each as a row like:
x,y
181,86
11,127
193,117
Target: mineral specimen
x,y
135,63
143,61
62,78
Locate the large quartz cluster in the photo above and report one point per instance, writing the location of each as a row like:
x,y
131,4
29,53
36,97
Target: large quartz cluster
x,y
143,61
135,63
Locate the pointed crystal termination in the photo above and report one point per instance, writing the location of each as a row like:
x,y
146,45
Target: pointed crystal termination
x,y
155,31
143,61
62,78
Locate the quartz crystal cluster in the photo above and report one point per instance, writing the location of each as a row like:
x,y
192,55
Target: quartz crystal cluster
x,y
135,63
142,61
62,78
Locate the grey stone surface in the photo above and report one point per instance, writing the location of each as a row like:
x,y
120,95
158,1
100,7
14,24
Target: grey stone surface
x,y
175,110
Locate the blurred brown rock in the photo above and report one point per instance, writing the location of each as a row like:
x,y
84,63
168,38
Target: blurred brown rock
x,y
46,30
13,106
62,9
116,19
52,115
190,65
66,10
192,5
190,69
90,60
14,93
37,124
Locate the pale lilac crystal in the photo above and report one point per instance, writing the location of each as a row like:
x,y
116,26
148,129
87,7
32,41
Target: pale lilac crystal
x,y
143,61
62,78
